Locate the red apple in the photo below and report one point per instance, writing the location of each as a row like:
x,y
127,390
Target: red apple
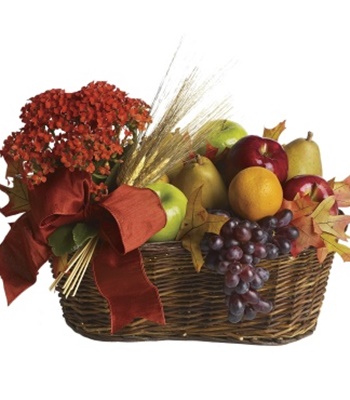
x,y
259,151
313,185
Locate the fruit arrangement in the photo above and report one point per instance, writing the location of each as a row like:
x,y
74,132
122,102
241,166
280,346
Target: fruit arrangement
x,y
263,200
92,185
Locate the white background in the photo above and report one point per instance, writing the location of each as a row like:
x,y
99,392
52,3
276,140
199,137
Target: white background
x,y
290,63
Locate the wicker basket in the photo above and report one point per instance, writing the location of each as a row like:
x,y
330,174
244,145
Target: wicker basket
x,y
194,303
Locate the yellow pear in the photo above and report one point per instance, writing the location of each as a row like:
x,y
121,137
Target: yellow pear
x,y
201,171
304,157
174,170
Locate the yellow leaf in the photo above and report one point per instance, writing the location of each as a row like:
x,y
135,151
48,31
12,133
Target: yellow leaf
x,y
333,245
342,192
332,224
275,132
196,223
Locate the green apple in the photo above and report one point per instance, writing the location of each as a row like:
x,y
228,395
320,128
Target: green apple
x,y
174,203
221,134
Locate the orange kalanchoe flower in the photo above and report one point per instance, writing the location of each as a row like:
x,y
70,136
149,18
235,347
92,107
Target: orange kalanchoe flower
x,y
85,130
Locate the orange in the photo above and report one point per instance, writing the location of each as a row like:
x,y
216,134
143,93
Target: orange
x,y
255,193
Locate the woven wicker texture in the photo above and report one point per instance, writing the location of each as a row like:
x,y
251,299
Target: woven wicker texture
x,y
194,303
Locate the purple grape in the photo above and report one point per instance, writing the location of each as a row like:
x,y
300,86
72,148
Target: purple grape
x,y
260,250
242,233
236,305
211,260
246,259
233,253
257,283
256,260
248,273
249,313
222,267
263,273
247,224
229,242
263,306
284,245
272,251
242,287
216,242
234,318
231,279
290,232
248,247
268,222
284,218
259,235
251,297
235,267
228,227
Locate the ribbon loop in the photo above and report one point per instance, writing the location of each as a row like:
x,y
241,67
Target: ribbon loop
x,y
127,217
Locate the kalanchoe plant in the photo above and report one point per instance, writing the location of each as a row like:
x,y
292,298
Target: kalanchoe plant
x,y
88,130
63,165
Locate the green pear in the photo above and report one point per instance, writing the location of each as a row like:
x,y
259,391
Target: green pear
x,y
201,171
304,157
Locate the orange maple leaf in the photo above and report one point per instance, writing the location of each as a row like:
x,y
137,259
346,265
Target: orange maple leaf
x,y
300,206
322,253
308,237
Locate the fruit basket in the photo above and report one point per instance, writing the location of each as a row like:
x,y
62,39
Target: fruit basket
x,y
156,232
194,306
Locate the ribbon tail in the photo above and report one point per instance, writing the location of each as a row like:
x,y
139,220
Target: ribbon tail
x,y
21,257
122,280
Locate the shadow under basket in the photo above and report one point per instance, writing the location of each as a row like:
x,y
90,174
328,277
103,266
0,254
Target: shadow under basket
x,y
194,303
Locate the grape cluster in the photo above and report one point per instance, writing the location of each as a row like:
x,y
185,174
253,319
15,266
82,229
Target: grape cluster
x,y
236,252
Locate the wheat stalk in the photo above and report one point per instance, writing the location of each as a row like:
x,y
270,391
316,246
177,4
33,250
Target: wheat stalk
x,y
165,144
77,267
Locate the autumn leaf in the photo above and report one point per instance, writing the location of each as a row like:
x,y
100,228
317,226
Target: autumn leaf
x,y
308,236
332,224
18,193
275,132
18,198
322,253
196,224
211,151
341,192
14,168
333,245
300,206
309,232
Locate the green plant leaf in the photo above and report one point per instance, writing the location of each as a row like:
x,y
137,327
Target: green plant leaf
x,y
61,240
82,232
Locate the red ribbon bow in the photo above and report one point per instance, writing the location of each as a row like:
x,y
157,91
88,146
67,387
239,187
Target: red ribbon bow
x,y
127,218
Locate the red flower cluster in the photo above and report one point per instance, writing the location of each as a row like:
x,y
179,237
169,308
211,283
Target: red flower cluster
x,y
87,130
